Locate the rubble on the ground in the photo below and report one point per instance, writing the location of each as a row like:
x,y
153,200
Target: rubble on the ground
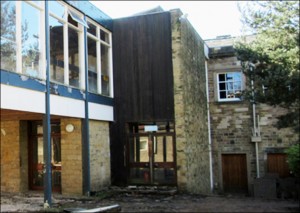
x,y
144,199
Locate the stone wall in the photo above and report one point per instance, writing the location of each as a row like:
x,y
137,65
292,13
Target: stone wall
x,y
10,156
192,147
232,123
71,157
99,155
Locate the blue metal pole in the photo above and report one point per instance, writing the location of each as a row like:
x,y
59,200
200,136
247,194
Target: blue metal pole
x,y
86,139
46,123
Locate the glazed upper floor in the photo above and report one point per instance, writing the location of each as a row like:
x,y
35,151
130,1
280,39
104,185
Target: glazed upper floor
x,y
79,39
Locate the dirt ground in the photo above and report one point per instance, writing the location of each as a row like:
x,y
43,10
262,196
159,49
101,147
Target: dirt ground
x,y
135,201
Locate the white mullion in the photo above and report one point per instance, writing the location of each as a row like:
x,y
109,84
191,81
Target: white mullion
x,y
42,62
81,58
105,43
57,17
92,37
99,69
66,49
18,37
218,87
34,5
111,88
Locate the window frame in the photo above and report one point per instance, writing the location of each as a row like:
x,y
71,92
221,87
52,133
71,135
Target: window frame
x,y
108,44
82,20
218,90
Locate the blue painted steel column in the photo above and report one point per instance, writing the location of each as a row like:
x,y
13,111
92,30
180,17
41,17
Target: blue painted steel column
x,y
46,121
86,139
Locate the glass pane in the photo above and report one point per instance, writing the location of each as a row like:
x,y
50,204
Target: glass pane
x,y
237,76
56,50
223,94
56,8
169,149
92,65
39,129
40,151
159,152
92,29
229,86
222,86
30,40
73,58
230,94
237,85
164,175
229,76
142,148
8,36
221,77
105,69
104,36
163,149
139,175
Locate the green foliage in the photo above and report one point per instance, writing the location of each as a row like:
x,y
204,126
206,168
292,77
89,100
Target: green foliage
x,y
293,154
271,60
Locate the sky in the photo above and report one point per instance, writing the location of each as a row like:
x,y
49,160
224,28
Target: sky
x,y
209,18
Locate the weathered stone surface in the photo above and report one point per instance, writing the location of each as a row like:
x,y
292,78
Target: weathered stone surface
x,y
10,156
232,123
190,107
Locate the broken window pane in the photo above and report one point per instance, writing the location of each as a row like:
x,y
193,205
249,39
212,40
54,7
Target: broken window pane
x,y
92,65
105,69
75,18
73,58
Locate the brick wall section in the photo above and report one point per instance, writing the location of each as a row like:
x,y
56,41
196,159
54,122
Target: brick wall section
x,y
10,156
71,157
232,122
190,107
99,155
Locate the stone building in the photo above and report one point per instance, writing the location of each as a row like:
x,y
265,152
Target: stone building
x,y
246,145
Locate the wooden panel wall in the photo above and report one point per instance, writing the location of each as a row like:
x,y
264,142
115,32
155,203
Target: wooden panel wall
x,y
143,78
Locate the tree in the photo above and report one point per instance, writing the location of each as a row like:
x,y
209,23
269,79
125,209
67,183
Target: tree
x,y
271,60
293,153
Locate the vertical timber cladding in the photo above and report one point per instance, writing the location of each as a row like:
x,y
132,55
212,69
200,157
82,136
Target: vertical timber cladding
x,y
143,88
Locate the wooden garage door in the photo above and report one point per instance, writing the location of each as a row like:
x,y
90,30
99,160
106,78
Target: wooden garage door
x,y
277,163
234,171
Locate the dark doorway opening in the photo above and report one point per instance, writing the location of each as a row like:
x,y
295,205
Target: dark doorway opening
x,y
36,156
151,154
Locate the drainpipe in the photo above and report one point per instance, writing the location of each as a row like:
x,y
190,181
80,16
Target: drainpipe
x,y
209,133
46,120
256,133
86,139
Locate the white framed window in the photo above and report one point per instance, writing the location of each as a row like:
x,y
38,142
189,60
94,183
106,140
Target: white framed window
x,y
22,36
99,59
23,45
66,45
229,86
